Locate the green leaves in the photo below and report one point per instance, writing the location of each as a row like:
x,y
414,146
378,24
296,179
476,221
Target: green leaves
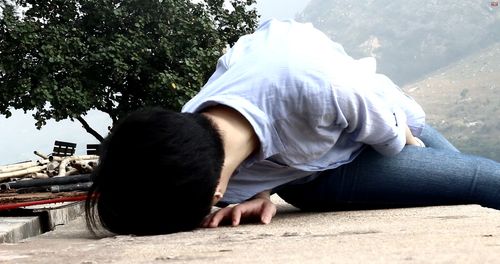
x,y
65,57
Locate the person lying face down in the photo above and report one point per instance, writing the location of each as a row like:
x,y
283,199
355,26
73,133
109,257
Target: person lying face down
x,y
287,111
157,173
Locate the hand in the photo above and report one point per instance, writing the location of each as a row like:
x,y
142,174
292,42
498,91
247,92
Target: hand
x,y
256,209
420,142
411,140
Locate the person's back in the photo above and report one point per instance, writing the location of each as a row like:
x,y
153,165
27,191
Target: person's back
x,y
312,106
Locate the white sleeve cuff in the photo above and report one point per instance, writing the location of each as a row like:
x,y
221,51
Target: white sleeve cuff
x,y
395,144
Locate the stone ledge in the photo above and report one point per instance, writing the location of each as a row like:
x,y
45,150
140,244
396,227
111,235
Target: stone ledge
x,y
16,228
35,220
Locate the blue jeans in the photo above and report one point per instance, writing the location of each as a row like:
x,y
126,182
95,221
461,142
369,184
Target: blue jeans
x,y
436,175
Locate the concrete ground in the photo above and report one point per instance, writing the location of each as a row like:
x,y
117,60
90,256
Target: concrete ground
x,y
452,234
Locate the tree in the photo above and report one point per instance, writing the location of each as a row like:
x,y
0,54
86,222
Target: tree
x,y
63,58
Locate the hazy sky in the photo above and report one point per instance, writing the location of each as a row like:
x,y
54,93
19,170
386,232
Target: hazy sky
x,y
281,9
19,137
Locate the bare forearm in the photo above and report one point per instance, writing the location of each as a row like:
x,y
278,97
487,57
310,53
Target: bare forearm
x,y
410,139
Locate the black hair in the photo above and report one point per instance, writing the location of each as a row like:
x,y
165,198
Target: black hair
x,y
157,174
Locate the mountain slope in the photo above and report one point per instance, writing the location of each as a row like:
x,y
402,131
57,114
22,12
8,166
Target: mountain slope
x,y
409,38
463,101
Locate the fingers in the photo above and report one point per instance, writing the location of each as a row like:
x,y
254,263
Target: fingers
x,y
229,213
214,219
267,213
207,220
236,216
261,209
219,216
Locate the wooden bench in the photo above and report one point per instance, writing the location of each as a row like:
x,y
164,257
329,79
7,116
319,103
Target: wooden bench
x,y
93,149
63,149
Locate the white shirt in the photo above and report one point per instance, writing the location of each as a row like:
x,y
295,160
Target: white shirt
x,y
311,105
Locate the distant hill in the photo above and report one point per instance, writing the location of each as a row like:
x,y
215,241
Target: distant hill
x,y
463,101
409,38
446,53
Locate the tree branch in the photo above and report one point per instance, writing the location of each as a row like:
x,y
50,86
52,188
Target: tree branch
x,y
89,129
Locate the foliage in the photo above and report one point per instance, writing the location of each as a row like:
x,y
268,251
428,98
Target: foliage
x,y
62,58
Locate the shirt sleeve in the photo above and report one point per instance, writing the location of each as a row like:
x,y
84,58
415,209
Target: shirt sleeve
x,y
415,115
371,120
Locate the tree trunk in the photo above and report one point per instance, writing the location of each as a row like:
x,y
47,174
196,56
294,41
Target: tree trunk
x,y
89,129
